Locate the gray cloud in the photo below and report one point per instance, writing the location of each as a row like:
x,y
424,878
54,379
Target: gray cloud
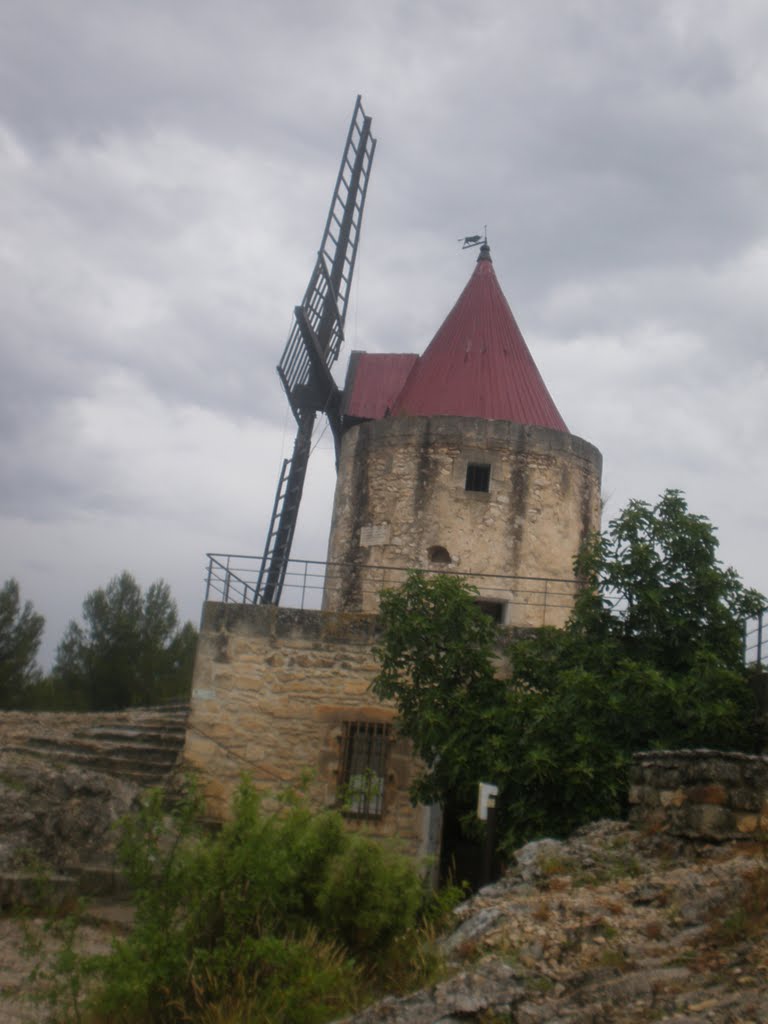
x,y
165,171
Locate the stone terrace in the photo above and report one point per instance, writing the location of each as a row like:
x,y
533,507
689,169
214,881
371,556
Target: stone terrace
x,y
140,745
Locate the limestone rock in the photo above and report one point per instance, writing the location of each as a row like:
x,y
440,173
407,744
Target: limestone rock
x,y
491,988
611,926
57,818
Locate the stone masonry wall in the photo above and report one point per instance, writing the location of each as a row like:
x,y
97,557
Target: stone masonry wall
x,y
272,687
400,495
700,794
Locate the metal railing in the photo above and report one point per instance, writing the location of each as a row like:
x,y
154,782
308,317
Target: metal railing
x,y
232,579
756,639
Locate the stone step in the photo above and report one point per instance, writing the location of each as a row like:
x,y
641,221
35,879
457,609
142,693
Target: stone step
x,y
118,917
52,891
129,718
142,745
36,889
122,767
144,773
178,706
166,737
148,711
132,753
101,880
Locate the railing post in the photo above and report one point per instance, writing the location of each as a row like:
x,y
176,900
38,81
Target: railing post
x,y
760,636
226,582
208,578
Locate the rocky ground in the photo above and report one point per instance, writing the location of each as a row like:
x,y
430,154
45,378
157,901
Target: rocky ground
x,y
61,792
610,926
32,991
57,826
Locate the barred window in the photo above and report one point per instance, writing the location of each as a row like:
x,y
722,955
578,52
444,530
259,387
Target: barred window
x,y
362,768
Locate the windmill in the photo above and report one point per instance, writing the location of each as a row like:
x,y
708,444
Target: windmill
x,y
313,347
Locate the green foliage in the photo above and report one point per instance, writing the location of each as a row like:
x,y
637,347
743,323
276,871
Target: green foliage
x,y
657,587
650,658
129,651
59,979
436,658
279,918
369,896
572,725
21,630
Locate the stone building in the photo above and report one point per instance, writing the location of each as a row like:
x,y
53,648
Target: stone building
x,y
453,461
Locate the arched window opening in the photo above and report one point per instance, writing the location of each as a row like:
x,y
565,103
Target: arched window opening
x,y
440,555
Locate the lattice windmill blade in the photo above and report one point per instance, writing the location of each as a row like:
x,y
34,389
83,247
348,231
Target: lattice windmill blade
x,y
314,344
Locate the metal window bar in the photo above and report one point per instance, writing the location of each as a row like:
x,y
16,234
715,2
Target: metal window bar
x,y
363,764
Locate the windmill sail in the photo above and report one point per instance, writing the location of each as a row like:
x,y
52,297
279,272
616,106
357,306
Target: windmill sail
x,y
313,347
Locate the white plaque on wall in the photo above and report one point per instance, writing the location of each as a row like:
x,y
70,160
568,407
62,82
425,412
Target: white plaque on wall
x,y
374,535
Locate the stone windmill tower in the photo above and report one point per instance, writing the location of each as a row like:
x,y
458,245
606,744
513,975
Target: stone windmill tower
x,y
453,460
458,460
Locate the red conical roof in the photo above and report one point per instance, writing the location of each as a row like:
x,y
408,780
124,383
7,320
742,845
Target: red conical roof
x,y
478,363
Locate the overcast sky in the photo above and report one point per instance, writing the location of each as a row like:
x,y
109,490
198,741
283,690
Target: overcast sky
x,y
165,173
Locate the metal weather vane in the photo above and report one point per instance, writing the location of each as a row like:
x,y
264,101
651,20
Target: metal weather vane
x,y
470,241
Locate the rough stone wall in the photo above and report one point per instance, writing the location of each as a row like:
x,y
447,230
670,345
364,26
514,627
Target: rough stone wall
x,y
401,493
700,794
272,687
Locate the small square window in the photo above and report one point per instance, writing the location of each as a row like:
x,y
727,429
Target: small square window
x,y
478,477
362,768
493,609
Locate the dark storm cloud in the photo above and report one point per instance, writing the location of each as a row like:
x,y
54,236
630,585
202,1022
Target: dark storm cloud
x,y
165,171
598,155
233,70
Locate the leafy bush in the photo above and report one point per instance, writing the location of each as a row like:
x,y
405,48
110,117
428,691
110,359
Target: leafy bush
x,y
369,896
571,728
278,917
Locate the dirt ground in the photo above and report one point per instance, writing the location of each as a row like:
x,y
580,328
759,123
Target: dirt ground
x,y
29,946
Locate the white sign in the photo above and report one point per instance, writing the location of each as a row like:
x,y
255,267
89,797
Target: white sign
x,y
374,536
486,797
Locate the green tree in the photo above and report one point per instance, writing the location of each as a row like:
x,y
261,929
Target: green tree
x,y
21,630
649,658
437,663
654,583
128,651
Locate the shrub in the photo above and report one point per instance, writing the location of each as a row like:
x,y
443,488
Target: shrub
x,y
279,917
369,896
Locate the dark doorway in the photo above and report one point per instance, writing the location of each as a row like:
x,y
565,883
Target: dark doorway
x,y
461,856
